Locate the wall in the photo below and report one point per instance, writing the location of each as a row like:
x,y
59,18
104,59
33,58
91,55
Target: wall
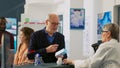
x,y
108,7
81,40
38,11
76,36
90,32
117,2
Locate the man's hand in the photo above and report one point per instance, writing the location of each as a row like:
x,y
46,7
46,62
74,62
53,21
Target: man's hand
x,y
52,48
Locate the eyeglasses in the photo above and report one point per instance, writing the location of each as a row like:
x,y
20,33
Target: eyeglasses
x,y
54,23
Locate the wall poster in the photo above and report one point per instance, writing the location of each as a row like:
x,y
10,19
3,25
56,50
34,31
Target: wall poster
x,y
77,18
103,18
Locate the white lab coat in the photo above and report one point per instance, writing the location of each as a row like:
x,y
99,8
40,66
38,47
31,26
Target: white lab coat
x,y
107,56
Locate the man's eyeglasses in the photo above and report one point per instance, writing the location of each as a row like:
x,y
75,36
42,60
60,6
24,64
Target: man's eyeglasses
x,y
54,23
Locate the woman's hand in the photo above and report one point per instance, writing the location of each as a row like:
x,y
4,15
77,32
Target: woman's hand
x,y
67,61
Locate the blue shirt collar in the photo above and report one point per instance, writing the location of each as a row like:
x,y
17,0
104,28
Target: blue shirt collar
x,y
50,38
48,34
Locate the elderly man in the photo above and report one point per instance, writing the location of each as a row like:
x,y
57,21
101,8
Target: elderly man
x,y
47,41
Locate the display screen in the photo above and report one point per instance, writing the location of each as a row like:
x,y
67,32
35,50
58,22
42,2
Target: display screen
x,y
11,25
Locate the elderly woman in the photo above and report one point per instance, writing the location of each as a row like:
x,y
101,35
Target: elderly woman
x,y
21,54
108,53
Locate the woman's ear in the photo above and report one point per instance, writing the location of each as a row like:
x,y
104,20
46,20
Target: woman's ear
x,y
109,34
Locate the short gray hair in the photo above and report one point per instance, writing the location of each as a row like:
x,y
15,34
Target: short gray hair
x,y
114,29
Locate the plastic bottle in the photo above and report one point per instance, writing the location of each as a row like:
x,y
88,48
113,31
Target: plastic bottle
x,y
59,61
38,59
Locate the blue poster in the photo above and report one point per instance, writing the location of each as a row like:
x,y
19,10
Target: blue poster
x,y
103,18
77,18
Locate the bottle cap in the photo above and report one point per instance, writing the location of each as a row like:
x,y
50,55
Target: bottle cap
x,y
37,55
